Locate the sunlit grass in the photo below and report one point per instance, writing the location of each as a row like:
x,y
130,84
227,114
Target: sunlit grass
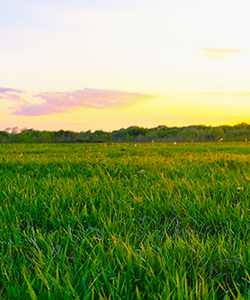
x,y
119,221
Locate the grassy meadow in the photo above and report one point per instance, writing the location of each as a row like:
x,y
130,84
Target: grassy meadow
x,y
125,221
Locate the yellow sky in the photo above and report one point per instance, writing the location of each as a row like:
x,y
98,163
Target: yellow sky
x,y
83,66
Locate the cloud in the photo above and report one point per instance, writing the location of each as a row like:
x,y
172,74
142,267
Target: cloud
x,y
218,52
10,94
56,102
218,94
8,90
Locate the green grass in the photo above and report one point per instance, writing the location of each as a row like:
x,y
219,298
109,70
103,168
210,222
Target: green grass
x,y
119,221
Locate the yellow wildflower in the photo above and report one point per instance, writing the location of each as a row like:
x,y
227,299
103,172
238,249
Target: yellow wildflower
x,y
138,199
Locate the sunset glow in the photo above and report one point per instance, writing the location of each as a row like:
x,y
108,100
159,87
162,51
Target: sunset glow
x,y
80,65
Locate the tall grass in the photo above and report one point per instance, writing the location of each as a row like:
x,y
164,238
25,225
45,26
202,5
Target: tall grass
x,y
120,221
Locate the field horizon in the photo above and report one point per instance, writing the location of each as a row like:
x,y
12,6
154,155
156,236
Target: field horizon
x,y
161,133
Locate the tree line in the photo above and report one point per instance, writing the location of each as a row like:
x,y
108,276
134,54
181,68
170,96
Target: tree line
x,y
162,133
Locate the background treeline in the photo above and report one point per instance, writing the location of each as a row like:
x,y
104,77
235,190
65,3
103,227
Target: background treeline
x,y
162,133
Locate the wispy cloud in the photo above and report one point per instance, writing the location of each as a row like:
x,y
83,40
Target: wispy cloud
x,y
218,52
10,94
56,102
219,94
8,90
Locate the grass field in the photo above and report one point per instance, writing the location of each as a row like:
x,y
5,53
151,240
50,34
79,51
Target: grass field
x,y
125,221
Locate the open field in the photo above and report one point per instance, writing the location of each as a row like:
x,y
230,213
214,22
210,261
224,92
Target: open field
x,y
125,221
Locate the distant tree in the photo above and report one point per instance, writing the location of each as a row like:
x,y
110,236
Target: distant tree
x,y
119,135
162,133
8,129
135,131
28,136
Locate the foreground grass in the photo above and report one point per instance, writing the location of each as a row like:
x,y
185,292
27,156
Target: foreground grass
x,y
125,221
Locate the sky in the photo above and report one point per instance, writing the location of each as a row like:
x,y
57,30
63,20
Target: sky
x,y
91,65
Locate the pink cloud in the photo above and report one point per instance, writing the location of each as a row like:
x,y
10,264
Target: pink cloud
x,y
8,90
10,94
55,102
28,109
